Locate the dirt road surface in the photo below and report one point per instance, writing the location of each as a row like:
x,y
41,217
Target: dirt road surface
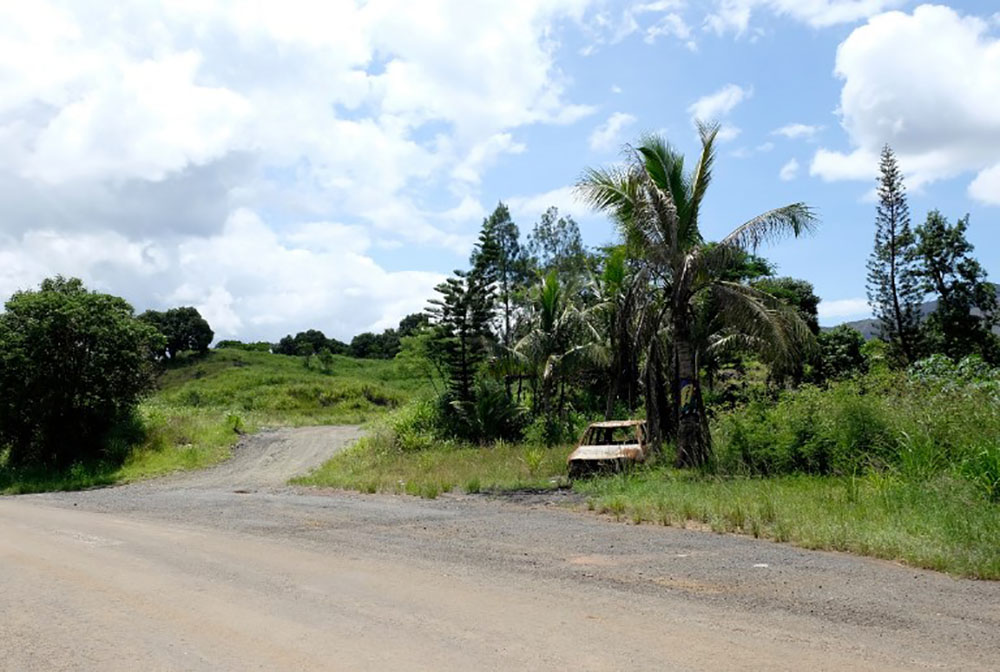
x,y
186,573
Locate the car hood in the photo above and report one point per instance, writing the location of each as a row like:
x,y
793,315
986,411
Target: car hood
x,y
628,451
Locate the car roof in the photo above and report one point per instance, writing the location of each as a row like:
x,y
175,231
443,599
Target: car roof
x,y
618,423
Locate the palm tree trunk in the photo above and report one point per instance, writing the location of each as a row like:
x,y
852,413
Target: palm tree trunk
x,y
692,436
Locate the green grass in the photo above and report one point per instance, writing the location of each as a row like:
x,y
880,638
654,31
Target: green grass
x,y
376,464
203,405
942,524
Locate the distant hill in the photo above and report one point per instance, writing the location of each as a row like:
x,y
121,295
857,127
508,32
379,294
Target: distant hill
x,y
869,328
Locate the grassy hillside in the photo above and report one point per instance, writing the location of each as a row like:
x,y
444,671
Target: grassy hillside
x,y
203,405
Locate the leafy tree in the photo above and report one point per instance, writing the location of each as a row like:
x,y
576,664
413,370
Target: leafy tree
x,y
657,205
967,304
375,346
556,244
286,346
460,319
841,353
73,363
258,346
411,324
309,342
894,291
183,328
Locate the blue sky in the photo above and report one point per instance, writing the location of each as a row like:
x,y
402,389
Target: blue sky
x,y
325,164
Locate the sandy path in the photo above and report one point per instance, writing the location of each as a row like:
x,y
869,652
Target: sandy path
x,y
186,574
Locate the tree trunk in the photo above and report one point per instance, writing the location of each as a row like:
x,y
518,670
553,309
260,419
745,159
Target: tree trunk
x,y
692,430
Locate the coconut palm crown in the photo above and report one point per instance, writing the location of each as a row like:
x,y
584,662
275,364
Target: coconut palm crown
x,y
656,205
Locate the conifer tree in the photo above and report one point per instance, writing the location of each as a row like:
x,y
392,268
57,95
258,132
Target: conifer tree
x,y
461,318
894,290
499,261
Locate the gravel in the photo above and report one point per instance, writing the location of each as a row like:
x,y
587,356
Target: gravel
x,y
849,611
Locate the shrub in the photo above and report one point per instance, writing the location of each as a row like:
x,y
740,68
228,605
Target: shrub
x,y
916,425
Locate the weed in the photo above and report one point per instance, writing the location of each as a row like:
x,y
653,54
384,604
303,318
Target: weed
x,y
533,458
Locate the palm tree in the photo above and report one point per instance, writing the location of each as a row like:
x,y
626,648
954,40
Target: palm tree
x,y
656,204
562,341
620,291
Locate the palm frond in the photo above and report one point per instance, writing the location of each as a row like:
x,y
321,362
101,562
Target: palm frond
x,y
773,329
797,218
701,177
611,190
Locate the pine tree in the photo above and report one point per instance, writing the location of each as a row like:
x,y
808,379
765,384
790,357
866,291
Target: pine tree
x,y
461,331
499,261
894,290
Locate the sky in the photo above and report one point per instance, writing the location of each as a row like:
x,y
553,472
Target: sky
x,y
324,164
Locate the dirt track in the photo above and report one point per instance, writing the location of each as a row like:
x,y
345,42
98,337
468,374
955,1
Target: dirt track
x,y
185,573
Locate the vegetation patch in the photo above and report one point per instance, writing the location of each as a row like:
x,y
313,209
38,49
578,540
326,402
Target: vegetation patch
x,y
203,404
942,523
402,456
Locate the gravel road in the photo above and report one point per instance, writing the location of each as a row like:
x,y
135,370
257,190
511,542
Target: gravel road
x,y
229,569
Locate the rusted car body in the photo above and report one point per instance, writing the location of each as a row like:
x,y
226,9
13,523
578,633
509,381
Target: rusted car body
x,y
609,446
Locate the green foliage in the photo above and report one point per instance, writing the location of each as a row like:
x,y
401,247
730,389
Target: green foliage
x,y
401,455
555,244
461,324
184,329
258,346
841,354
966,302
375,346
500,260
939,418
73,364
982,469
562,342
309,342
796,293
692,311
894,290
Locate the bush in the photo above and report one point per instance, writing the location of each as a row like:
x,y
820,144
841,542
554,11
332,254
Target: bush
x,y
73,365
917,425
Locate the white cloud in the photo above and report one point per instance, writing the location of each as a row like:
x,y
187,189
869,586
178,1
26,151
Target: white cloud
x,y
728,132
530,208
947,125
735,15
789,171
843,308
130,137
797,131
986,186
248,281
608,135
719,104
747,152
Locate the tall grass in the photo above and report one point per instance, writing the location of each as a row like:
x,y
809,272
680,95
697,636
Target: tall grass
x,y
942,523
912,428
396,458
